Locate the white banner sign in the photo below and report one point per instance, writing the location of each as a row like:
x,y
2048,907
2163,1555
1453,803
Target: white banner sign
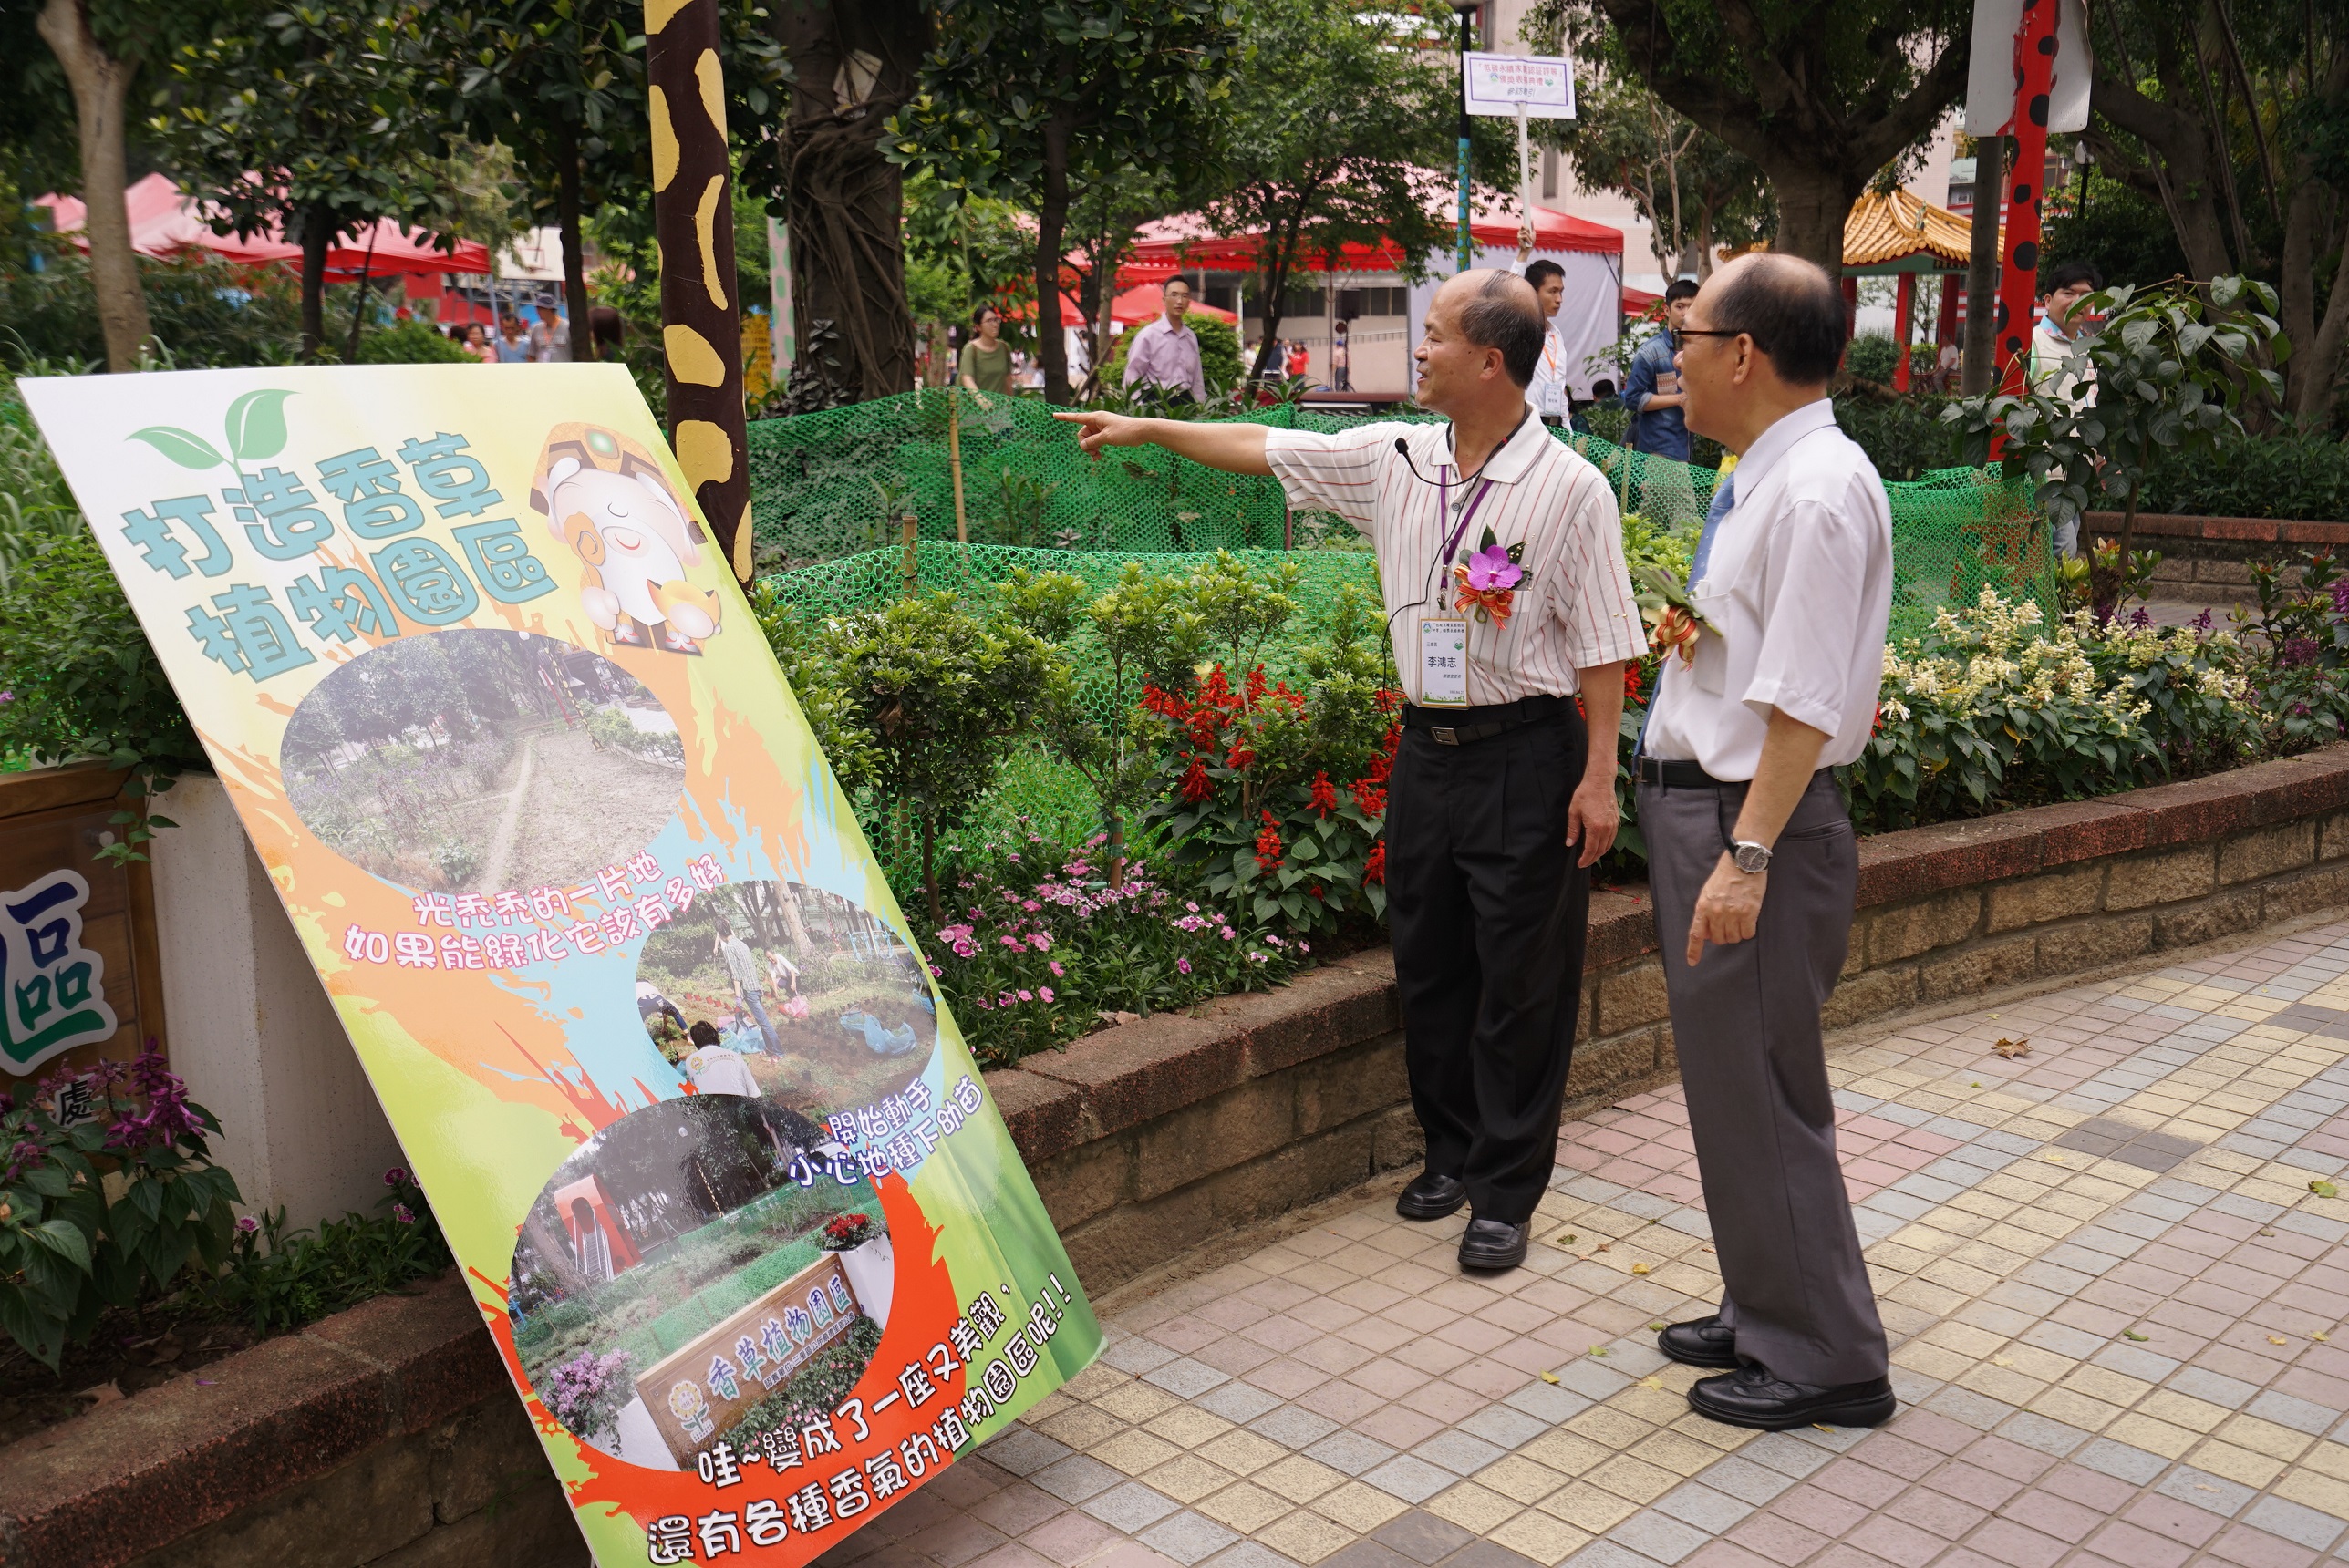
x,y
1541,85
1992,71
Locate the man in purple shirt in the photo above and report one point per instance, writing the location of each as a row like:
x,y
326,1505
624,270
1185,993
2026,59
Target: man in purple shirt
x,y
1165,354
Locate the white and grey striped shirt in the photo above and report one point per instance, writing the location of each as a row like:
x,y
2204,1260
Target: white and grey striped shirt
x,y
1574,608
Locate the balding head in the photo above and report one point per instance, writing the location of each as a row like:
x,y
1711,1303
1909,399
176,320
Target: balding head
x,y
1788,307
1498,310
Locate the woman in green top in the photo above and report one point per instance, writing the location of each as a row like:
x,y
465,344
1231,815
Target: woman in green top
x,y
986,359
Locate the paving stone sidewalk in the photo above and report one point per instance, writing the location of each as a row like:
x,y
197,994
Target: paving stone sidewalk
x,y
2111,1291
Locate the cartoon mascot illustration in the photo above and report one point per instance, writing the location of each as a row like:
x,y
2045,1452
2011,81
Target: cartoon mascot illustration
x,y
610,500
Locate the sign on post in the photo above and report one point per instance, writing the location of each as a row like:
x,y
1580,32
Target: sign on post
x,y
755,1247
1993,72
1542,85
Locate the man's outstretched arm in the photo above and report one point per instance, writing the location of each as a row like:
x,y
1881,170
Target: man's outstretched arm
x,y
1236,449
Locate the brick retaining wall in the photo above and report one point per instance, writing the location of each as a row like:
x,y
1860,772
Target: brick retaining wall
x,y
2202,553
1153,1137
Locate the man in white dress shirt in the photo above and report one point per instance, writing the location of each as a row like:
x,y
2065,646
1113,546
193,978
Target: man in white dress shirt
x,y
1500,558
1750,853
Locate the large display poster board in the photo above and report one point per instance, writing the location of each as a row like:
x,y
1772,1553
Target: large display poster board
x,y
757,1249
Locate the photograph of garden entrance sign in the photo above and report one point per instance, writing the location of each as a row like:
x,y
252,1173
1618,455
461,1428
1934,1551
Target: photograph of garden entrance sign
x,y
675,1285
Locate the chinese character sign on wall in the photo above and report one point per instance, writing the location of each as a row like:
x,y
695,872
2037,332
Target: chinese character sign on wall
x,y
757,1248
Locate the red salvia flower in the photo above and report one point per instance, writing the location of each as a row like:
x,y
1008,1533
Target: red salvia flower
x,y
1196,785
1376,870
1268,844
1369,797
1325,797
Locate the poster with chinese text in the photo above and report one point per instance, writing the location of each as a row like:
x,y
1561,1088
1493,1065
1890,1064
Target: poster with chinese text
x,y
723,1179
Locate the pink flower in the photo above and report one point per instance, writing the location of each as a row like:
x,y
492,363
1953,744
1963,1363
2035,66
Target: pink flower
x,y
394,1177
1008,941
1040,940
1228,933
1045,992
400,1212
1184,964
1027,995
247,1224
1489,569
1057,970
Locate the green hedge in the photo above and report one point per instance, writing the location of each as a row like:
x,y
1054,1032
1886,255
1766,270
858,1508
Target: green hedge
x,y
2300,478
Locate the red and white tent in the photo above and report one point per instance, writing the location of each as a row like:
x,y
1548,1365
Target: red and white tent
x,y
165,222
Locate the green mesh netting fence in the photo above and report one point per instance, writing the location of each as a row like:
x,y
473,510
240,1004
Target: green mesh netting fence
x,y
830,491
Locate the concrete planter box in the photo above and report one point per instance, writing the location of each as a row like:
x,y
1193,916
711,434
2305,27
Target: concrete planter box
x,y
390,1435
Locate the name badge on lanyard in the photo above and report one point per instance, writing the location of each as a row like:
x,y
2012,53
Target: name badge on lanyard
x,y
1443,661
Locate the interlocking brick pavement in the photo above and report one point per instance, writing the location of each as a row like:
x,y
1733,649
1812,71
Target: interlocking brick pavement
x,y
2110,1290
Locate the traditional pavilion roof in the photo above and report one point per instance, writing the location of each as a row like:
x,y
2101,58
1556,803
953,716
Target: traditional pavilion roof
x,y
1895,225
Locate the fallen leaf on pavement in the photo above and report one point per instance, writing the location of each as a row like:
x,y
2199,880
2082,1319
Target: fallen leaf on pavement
x,y
2059,1160
1655,1328
2322,1337
1709,1247
2001,1361
2324,1189
1598,1350
1651,1381
2278,1339
1638,1268
2269,1230
1602,1246
1564,1239
2133,1334
2011,1049
1549,1376
1823,1426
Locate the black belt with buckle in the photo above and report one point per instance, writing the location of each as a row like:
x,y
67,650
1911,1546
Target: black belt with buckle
x,y
1675,775
1463,726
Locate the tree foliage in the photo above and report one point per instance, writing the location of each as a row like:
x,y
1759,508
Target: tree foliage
x,y
316,119
1820,94
1018,99
1695,190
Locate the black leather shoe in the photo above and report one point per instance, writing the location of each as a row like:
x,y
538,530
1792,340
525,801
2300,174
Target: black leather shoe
x,y
1704,1342
1432,1197
1755,1397
1493,1244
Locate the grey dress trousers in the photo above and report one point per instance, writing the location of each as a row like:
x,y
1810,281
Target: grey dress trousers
x,y
1745,1024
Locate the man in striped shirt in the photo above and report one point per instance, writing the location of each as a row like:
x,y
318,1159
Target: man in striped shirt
x,y
1501,561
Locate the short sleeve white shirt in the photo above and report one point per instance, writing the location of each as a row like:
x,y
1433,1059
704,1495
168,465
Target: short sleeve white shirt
x,y
1573,610
1797,592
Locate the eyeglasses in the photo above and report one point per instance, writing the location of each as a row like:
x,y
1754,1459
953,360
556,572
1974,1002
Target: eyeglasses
x,y
1681,334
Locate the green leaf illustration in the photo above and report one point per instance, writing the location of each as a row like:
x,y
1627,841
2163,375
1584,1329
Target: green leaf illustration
x,y
256,423
184,447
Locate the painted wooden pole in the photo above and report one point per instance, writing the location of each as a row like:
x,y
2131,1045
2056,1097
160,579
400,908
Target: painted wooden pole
x,y
693,219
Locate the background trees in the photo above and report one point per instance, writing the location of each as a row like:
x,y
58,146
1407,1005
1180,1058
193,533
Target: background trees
x,y
318,119
1696,191
1019,99
1820,94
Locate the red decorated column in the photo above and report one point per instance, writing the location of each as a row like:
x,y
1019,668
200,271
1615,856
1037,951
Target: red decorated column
x,y
2035,79
1904,323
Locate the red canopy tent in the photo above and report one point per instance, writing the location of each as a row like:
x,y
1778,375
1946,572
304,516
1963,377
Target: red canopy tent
x,y
164,222
1178,244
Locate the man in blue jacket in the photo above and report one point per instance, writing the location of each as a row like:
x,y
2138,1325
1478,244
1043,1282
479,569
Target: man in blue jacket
x,y
1651,391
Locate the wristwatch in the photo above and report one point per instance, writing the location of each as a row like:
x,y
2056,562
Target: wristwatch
x,y
1751,857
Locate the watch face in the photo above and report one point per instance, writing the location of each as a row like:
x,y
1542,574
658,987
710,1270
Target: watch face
x,y
1751,858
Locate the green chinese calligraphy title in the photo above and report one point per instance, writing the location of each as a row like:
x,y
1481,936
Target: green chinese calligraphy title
x,y
413,581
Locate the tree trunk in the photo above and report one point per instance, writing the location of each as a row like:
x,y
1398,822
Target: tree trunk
x,y
1051,223
2312,227
693,219
845,199
100,85
317,233
1813,203
574,259
1980,346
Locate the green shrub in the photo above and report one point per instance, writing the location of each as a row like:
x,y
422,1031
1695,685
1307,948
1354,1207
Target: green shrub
x,y
278,1280
203,312
2299,477
412,343
1903,436
1871,356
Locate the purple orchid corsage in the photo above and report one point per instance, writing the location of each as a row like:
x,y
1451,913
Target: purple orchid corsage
x,y
1488,581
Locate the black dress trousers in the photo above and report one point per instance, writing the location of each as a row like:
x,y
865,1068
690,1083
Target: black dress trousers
x,y
1489,914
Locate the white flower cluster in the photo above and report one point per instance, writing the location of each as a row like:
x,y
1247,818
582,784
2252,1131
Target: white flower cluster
x,y
1997,653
